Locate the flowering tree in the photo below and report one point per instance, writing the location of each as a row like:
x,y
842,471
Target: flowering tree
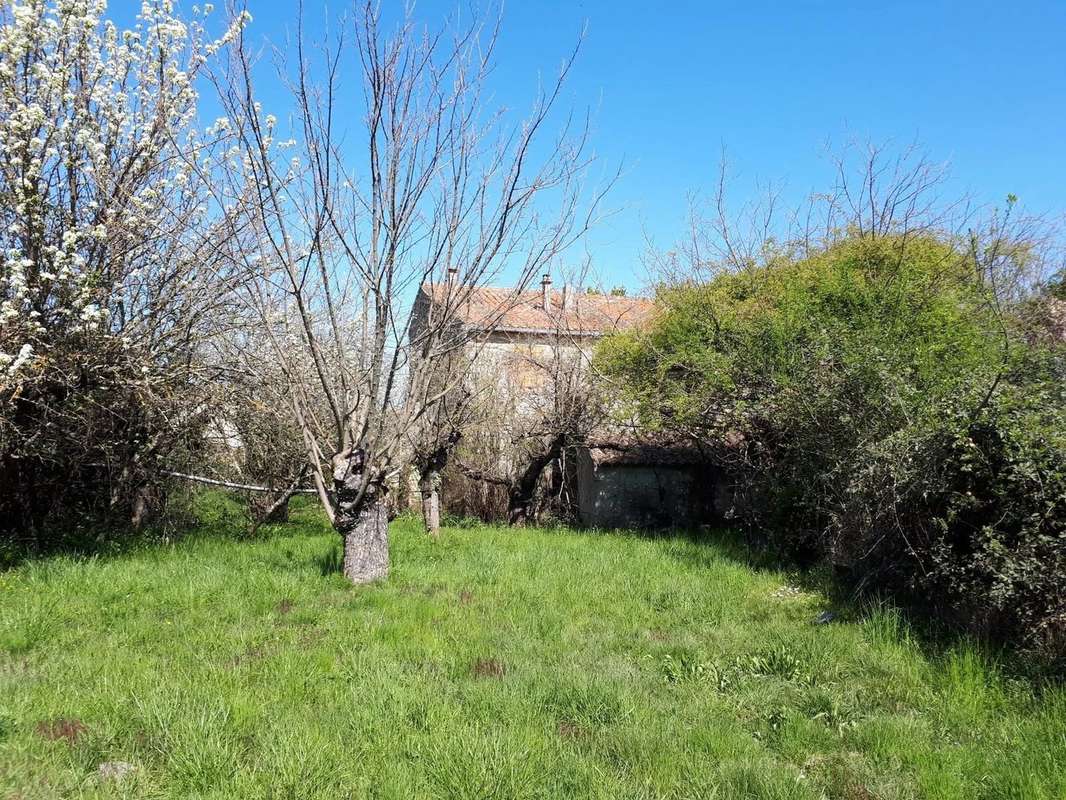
x,y
111,255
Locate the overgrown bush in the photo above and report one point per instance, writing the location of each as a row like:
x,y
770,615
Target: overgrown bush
x,y
965,511
83,433
876,409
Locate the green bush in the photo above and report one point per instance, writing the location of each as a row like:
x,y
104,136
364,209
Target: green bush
x,y
855,397
967,511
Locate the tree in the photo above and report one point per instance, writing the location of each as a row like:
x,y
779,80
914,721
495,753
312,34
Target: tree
x,y
257,426
440,432
441,183
534,409
113,274
866,388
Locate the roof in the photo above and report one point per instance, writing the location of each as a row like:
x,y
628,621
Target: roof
x,y
644,452
508,311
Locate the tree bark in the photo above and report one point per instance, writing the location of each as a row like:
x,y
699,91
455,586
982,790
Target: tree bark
x,y
140,508
362,518
148,501
269,508
429,486
366,542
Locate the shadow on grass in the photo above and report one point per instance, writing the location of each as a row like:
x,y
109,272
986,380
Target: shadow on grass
x,y
925,624
190,515
330,562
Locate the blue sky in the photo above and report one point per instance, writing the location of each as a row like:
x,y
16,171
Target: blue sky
x,y
980,85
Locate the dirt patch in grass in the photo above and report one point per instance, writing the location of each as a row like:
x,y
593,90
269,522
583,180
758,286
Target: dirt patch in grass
x,y
251,655
311,636
571,730
285,606
14,665
466,597
842,774
489,668
69,730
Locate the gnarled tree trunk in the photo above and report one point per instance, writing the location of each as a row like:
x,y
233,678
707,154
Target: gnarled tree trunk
x,y
521,499
430,465
366,542
362,519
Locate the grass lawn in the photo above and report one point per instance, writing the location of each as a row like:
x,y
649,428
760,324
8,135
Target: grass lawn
x,y
492,664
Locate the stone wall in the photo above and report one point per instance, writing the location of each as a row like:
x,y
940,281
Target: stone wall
x,y
644,495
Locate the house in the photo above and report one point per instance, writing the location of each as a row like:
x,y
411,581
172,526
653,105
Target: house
x,y
519,341
517,330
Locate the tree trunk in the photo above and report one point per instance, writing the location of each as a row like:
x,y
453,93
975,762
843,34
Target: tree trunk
x,y
361,517
366,542
148,501
412,491
519,510
269,508
139,512
429,486
522,497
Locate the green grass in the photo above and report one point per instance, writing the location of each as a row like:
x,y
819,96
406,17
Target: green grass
x,y
492,664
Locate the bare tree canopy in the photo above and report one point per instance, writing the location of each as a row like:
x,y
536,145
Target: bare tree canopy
x,y
340,227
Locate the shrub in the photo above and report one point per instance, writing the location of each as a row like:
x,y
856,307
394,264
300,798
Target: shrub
x,y
967,511
873,409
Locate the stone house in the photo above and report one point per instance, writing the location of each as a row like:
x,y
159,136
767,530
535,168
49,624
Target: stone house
x,y
524,329
524,335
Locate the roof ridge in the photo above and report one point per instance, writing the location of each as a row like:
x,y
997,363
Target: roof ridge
x,y
520,310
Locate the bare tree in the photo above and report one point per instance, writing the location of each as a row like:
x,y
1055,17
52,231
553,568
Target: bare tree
x,y
533,410
342,241
877,191
434,441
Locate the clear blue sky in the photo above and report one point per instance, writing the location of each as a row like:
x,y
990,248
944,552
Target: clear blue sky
x,y
980,85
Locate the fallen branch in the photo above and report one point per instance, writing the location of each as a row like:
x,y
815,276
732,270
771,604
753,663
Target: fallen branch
x,y
282,500
244,487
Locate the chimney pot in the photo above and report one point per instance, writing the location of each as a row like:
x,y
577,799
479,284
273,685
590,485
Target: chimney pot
x,y
546,292
453,273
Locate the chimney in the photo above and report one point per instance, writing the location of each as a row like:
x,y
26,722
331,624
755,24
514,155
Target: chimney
x,y
453,273
568,297
546,292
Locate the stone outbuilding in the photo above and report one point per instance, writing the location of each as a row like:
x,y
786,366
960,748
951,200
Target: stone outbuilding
x,y
646,485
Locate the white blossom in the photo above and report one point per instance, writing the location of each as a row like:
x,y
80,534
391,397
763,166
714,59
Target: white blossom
x,y
15,363
90,113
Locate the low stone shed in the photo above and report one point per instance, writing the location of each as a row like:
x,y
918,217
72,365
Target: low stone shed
x,y
645,485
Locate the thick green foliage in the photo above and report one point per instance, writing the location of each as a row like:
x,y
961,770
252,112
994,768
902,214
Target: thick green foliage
x,y
969,508
873,411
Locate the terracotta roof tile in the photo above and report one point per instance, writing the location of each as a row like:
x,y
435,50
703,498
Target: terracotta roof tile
x,y
522,312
